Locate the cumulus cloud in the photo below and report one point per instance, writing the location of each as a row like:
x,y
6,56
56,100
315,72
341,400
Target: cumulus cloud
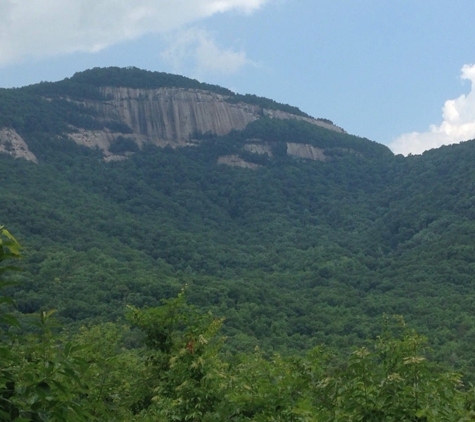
x,y
458,123
39,28
197,48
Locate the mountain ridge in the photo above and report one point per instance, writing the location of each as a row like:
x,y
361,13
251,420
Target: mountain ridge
x,y
97,107
297,234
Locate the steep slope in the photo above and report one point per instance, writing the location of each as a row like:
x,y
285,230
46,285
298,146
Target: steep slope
x,y
99,107
324,235
173,115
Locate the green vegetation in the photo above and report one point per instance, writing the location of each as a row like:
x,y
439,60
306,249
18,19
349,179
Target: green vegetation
x,y
301,258
121,145
176,371
295,254
86,84
133,77
266,103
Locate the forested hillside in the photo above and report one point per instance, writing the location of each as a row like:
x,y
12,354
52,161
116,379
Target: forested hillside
x,y
293,252
168,363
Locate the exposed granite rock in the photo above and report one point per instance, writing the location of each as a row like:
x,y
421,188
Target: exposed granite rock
x,y
13,144
236,161
170,116
257,147
306,151
93,138
103,138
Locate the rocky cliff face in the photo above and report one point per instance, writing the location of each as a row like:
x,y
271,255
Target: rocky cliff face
x,y
124,118
13,144
170,116
306,151
173,114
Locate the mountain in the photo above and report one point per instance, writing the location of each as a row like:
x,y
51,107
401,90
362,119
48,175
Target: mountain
x,y
130,184
114,108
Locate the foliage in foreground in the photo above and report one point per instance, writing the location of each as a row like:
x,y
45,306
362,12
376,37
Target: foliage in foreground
x,y
180,373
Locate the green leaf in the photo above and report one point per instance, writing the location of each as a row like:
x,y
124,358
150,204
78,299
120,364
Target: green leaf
x,y
10,320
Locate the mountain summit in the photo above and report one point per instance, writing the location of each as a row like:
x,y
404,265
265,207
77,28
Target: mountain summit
x,y
118,110
297,232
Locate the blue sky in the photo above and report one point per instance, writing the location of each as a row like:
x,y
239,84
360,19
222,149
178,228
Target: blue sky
x,y
398,72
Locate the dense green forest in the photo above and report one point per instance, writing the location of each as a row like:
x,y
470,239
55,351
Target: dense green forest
x,y
294,254
167,363
301,263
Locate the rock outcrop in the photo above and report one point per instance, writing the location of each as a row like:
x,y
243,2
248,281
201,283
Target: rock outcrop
x,y
13,144
171,116
256,146
236,161
119,120
306,151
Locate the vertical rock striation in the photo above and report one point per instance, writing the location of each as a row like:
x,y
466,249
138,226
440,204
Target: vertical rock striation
x,y
173,114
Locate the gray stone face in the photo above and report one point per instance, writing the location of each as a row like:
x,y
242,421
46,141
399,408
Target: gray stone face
x,y
167,116
174,114
13,144
306,151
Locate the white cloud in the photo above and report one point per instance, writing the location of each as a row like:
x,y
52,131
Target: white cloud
x,y
39,28
197,48
458,123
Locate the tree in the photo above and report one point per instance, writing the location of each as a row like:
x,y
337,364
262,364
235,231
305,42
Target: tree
x,y
186,378
39,378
